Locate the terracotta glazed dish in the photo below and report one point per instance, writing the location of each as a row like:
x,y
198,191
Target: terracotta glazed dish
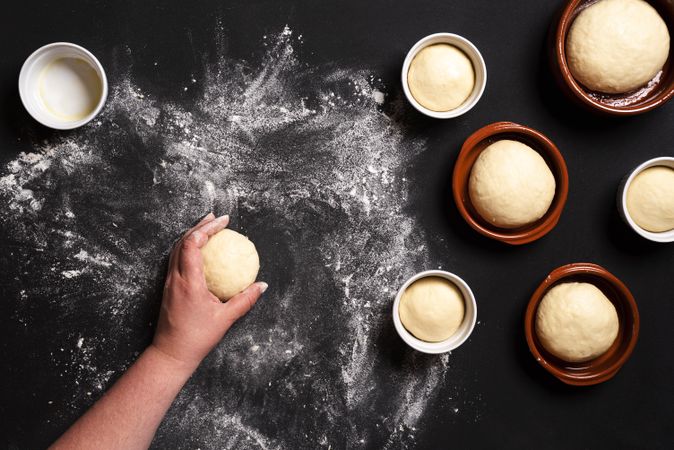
x,y
472,148
656,93
607,365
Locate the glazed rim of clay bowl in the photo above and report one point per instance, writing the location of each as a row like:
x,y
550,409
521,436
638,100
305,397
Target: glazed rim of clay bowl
x,y
472,148
605,366
654,94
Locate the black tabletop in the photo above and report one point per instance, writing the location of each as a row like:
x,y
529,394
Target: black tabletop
x,y
290,116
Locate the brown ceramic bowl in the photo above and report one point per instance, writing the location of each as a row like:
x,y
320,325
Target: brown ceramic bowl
x,y
656,93
607,365
472,148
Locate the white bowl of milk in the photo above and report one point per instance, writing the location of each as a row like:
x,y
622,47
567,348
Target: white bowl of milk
x,y
63,86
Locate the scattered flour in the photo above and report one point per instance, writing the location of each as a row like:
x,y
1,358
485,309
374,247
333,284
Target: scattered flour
x,y
298,155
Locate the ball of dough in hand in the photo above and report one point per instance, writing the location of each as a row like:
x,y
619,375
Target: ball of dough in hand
x,y
231,263
510,184
441,77
617,46
650,199
432,309
576,322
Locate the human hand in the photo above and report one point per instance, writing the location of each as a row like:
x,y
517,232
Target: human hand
x,y
192,320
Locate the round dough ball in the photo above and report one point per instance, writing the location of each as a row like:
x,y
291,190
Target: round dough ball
x,y
510,184
616,46
231,263
432,309
650,199
576,322
441,77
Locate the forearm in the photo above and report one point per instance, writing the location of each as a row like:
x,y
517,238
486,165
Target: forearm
x,y
191,322
128,415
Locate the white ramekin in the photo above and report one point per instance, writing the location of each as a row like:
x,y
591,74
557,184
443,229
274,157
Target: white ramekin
x,y
475,57
455,340
664,236
29,83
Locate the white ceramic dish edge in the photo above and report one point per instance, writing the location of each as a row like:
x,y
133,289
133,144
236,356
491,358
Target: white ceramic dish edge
x,y
478,65
665,236
458,338
30,71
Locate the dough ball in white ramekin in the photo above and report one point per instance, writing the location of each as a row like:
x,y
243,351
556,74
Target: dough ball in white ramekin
x,y
441,77
650,199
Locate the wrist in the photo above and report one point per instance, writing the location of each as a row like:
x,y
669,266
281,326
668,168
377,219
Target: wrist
x,y
171,363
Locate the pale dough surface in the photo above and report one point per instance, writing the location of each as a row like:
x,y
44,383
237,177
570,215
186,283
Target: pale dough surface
x,y
441,77
231,263
432,309
616,46
650,199
576,322
510,184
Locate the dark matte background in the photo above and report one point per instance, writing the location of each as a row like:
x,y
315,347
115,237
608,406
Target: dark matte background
x,y
521,405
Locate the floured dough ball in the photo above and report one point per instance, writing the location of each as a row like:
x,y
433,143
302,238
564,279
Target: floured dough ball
x,y
231,263
576,322
441,77
616,46
510,184
432,309
650,199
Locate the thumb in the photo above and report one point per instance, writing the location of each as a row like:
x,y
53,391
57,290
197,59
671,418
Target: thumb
x,y
237,306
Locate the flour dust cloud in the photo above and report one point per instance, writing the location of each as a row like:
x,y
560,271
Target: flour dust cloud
x,y
308,166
